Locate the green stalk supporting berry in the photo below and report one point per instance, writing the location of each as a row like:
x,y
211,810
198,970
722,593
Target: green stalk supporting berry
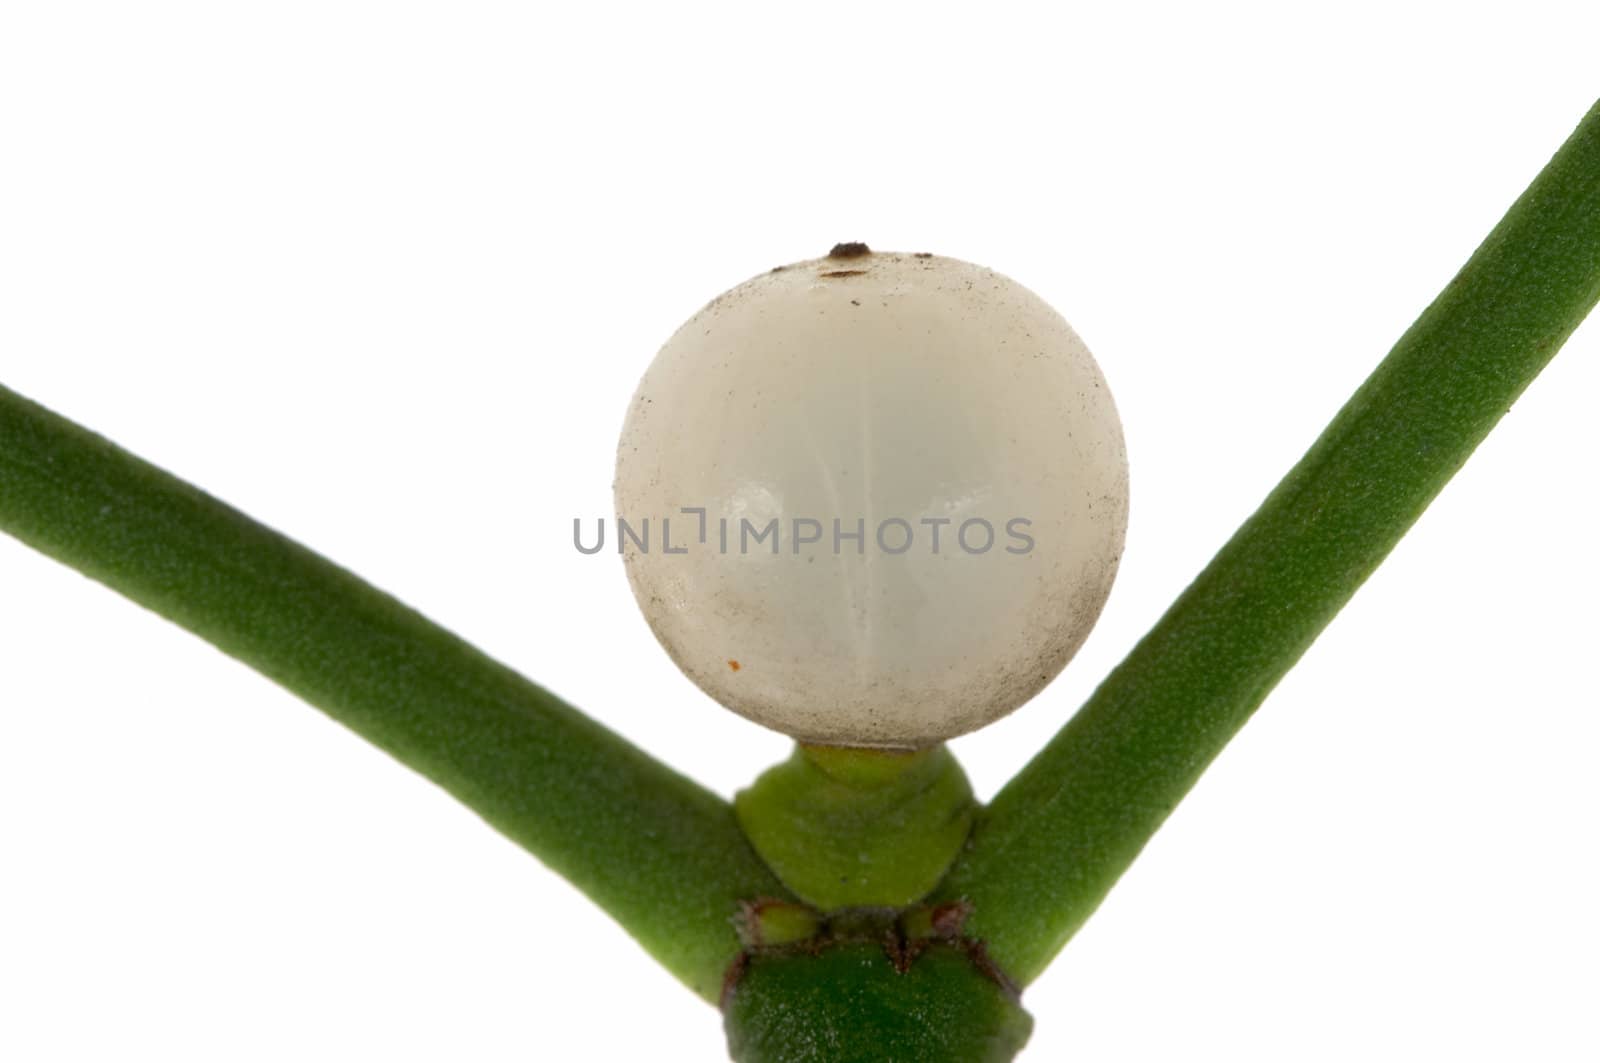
x,y
1055,839
663,855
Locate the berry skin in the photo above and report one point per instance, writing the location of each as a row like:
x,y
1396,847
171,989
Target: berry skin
x,y
894,491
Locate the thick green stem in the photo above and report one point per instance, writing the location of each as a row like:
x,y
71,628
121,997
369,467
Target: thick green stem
x,y
665,857
849,1003
1055,839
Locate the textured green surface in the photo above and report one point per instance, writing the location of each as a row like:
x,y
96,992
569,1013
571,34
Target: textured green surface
x,y
859,827
665,857
1055,839
849,1005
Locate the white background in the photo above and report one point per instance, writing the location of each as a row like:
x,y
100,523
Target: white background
x,y
385,275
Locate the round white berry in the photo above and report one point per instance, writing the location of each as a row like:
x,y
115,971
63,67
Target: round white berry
x,y
872,499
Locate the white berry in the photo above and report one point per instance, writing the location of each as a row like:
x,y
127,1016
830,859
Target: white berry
x,y
894,394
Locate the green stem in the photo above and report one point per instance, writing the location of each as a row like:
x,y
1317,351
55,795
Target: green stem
x,y
1055,839
849,1003
665,857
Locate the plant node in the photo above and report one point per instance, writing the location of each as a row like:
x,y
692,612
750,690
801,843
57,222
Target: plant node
x,y
859,828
